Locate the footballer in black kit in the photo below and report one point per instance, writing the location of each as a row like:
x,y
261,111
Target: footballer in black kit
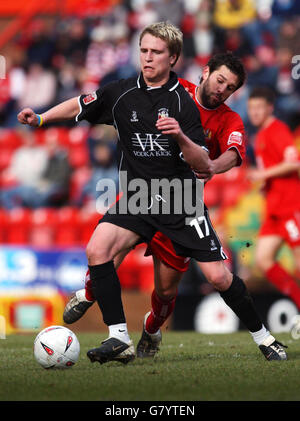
x,y
133,108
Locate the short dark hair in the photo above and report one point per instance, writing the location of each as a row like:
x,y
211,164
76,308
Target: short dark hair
x,y
264,92
233,63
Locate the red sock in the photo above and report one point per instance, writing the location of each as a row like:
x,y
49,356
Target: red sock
x,y
161,310
283,281
88,287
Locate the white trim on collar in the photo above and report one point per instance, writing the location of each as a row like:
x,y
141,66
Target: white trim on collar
x,y
174,87
149,88
155,87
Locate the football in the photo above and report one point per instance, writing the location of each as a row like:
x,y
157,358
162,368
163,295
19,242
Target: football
x,y
56,347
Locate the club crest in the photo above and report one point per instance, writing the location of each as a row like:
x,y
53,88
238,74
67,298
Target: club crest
x,y
163,112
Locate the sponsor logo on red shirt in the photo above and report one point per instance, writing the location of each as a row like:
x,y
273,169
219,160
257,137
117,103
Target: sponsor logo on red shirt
x,y
235,137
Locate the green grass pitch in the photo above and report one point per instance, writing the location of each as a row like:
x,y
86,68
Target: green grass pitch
x,y
189,367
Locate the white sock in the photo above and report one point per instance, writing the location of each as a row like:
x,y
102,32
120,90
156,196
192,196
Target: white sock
x,y
260,336
155,334
119,331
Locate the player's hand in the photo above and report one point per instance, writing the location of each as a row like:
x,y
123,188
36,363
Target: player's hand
x,y
203,176
206,175
256,175
28,116
168,125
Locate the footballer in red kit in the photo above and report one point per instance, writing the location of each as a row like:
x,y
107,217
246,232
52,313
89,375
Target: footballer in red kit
x,y
224,130
278,165
281,200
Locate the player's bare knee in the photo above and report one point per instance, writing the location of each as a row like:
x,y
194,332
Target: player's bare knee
x,y
97,255
167,293
220,280
263,262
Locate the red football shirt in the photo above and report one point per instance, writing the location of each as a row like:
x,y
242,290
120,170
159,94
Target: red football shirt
x,y
223,128
273,145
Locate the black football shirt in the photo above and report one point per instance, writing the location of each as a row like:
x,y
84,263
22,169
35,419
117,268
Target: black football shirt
x,y
133,109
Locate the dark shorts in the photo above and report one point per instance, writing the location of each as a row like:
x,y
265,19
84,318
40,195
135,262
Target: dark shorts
x,y
197,239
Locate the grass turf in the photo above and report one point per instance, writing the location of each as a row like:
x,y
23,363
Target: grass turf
x,y
189,367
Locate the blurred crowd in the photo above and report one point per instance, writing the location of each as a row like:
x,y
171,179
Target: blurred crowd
x,y
54,59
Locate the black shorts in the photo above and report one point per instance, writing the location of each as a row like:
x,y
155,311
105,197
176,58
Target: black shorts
x,y
197,239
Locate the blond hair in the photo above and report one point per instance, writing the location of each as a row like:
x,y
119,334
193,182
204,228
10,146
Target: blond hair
x,y
168,33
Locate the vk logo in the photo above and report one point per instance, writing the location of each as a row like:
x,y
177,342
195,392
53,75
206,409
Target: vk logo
x,y
150,142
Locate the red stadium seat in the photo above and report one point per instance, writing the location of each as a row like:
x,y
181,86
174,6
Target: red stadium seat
x,y
10,139
128,273
79,178
19,216
67,227
43,227
67,215
5,157
3,225
66,236
235,183
44,216
18,226
60,134
78,156
42,237
77,136
87,224
136,270
212,194
39,135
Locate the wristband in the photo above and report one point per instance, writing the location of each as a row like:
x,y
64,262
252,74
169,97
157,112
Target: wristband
x,y
40,120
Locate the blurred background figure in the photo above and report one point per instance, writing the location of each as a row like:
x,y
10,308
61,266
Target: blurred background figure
x,y
278,166
39,175
28,163
52,190
100,57
102,142
39,89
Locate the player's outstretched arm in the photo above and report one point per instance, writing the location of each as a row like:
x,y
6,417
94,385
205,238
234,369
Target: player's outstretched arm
x,y
66,110
280,170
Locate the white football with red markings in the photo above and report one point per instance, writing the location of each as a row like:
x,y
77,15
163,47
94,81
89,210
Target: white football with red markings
x,y
56,347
